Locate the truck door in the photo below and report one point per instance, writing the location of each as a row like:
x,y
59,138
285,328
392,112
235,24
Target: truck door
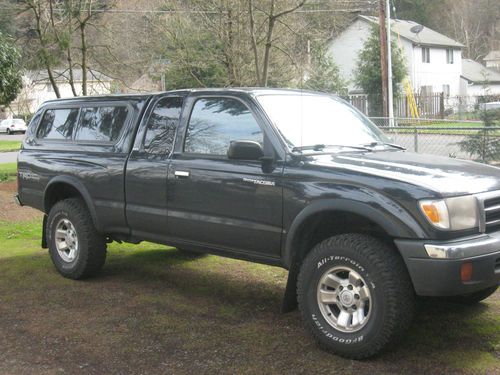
x,y
147,169
218,202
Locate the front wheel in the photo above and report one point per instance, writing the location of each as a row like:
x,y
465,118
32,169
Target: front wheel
x,y
9,132
76,248
355,295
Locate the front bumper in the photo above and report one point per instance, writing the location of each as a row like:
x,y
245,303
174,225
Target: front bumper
x,y
435,267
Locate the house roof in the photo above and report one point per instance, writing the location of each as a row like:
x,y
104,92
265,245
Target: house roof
x,y
62,75
474,72
493,55
426,36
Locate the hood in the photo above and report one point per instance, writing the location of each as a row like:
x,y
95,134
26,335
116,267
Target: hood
x,y
444,175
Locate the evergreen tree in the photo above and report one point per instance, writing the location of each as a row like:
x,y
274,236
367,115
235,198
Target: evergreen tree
x,y
325,75
10,71
368,75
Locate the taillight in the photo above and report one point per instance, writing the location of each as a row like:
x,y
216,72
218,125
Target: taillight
x,y
12,126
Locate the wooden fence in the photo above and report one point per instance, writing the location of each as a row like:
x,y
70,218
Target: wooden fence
x,y
429,106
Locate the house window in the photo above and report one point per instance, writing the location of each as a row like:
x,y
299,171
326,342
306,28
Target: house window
x,y
426,55
49,87
446,90
449,56
426,90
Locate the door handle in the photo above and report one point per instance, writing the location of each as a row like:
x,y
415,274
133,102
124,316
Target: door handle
x,y
181,174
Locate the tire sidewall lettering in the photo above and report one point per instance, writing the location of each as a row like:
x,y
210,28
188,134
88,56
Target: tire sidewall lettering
x,y
328,331
332,336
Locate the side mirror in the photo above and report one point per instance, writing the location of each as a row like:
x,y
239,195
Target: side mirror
x,y
245,150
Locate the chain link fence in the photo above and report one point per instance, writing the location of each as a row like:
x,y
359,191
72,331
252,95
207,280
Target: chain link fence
x,y
469,140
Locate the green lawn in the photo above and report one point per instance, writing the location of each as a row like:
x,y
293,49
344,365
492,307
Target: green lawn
x,y
7,146
154,309
425,126
8,171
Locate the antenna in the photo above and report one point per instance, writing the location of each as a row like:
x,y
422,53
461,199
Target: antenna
x,y
417,29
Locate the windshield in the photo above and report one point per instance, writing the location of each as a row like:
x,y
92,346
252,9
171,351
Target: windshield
x,y
314,119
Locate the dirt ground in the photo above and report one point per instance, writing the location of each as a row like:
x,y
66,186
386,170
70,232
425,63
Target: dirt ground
x,y
156,310
9,210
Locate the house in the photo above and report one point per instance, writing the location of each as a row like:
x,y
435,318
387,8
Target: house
x,y
492,60
433,61
38,89
144,83
478,80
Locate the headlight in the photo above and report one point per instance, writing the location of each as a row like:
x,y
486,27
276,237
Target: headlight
x,y
451,213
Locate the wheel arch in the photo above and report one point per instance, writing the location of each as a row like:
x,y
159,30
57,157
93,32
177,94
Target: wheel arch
x,y
387,221
353,217
62,187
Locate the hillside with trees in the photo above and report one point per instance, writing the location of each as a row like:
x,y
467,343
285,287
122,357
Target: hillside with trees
x,y
198,43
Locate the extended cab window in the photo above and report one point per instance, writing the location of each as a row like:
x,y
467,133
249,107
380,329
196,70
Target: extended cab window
x,y
162,124
58,123
101,123
215,122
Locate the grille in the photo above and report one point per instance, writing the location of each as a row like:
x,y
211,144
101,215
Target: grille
x,y
490,220
492,214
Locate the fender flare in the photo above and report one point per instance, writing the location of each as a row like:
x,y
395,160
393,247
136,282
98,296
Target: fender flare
x,y
78,186
394,220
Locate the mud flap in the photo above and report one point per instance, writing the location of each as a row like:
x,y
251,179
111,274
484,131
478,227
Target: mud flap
x,y
290,297
44,232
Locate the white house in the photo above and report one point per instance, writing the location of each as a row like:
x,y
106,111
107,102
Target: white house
x,y
433,61
492,60
38,89
477,80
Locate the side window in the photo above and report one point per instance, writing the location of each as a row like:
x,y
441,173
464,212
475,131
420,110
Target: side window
x,y
162,124
101,123
58,123
215,122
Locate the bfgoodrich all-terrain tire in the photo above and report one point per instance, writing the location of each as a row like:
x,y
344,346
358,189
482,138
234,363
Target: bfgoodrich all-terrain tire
x,y
76,248
473,298
355,295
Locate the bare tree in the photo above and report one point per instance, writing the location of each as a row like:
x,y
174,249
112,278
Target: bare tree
x,y
38,10
472,23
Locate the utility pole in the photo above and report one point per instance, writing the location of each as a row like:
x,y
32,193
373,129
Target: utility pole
x,y
383,55
389,67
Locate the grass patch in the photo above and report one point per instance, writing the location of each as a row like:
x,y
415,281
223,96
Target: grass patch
x,y
8,171
8,146
424,126
154,309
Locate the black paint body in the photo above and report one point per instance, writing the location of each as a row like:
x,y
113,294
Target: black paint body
x,y
135,196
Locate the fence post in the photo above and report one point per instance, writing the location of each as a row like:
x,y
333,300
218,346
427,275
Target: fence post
x,y
415,139
441,104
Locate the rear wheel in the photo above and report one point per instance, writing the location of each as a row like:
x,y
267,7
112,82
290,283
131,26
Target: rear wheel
x,y
355,295
9,132
473,298
76,248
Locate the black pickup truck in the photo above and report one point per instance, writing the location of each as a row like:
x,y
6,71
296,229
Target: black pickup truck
x,y
289,178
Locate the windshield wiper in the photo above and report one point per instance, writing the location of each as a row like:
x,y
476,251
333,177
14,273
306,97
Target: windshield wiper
x,y
317,147
321,147
373,144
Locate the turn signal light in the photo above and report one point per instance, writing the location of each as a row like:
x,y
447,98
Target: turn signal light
x,y
466,271
431,212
